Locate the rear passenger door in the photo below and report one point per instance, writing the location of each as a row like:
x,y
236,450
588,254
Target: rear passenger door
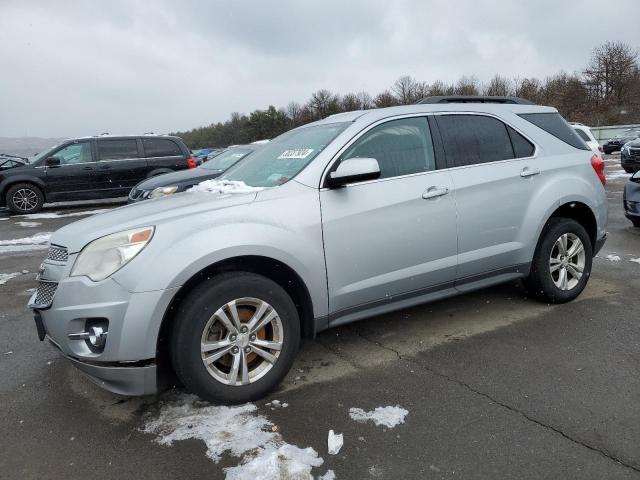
x,y
163,155
494,173
119,167
392,239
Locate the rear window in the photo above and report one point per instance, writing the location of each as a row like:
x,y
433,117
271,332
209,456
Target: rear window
x,y
117,149
582,134
160,147
557,126
474,139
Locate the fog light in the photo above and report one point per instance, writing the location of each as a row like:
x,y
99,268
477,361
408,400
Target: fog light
x,y
95,336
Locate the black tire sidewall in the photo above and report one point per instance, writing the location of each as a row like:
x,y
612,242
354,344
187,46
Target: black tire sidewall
x,y
542,281
194,313
14,208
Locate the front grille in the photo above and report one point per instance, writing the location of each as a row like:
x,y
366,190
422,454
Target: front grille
x,y
57,254
45,293
634,153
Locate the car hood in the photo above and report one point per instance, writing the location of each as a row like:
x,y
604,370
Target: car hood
x,y
152,212
634,143
183,178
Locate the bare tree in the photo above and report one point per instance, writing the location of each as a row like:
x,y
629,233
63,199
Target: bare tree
x,y
467,86
385,99
500,86
324,103
294,112
611,71
350,102
404,89
365,100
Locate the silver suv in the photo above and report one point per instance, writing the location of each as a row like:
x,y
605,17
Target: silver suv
x,y
356,215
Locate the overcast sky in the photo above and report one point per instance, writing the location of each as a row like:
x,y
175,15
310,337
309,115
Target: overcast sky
x,y
70,68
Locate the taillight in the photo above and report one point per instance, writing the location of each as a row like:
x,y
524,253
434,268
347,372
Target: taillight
x,y
191,163
598,165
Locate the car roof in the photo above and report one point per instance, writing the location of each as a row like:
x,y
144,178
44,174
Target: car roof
x,y
108,136
380,113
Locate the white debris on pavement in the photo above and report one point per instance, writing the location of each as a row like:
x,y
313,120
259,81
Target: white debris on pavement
x,y
224,187
28,224
330,475
616,174
5,277
635,260
238,431
38,216
386,416
613,258
36,242
334,442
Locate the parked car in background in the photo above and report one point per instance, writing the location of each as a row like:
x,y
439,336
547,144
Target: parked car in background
x,y
355,215
585,134
90,168
631,199
630,156
171,183
12,161
616,144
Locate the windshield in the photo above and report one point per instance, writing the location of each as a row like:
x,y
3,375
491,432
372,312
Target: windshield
x,y
283,158
226,159
39,156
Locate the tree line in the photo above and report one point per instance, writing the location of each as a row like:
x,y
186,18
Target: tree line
x,y
605,92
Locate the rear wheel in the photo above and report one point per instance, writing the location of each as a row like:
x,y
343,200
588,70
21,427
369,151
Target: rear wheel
x,y
562,262
636,223
24,198
235,337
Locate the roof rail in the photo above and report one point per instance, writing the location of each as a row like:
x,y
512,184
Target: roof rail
x,y
475,99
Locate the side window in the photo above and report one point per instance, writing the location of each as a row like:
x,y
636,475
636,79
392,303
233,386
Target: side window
x,y
401,147
521,146
117,149
75,153
160,147
474,139
557,126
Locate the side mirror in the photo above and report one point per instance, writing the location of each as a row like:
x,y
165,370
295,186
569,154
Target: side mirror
x,y
53,162
354,170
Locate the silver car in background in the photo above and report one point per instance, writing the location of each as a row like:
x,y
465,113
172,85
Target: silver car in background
x,y
356,215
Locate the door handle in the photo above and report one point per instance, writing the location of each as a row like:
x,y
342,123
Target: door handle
x,y
435,192
87,168
529,172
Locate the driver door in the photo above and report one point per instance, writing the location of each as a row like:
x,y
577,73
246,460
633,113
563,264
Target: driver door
x,y
392,239
71,178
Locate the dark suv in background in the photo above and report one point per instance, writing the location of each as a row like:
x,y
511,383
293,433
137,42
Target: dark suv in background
x,y
91,168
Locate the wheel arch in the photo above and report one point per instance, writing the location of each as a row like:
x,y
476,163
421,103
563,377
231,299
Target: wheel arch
x,y
11,181
581,213
159,171
276,270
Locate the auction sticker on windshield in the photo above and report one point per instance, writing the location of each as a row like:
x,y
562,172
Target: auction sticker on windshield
x,y
295,153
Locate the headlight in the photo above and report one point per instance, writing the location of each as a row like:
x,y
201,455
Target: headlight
x,y
103,257
162,191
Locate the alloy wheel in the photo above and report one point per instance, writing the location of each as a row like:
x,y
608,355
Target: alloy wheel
x,y
242,341
567,261
25,199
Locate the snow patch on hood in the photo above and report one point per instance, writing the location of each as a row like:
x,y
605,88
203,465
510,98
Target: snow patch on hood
x,y
237,430
386,416
37,242
28,224
224,187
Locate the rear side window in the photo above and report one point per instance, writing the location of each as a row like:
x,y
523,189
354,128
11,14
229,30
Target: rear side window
x,y
582,134
557,126
401,147
160,147
117,149
474,139
521,146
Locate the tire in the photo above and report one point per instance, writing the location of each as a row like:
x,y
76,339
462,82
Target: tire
x,y
636,223
199,312
629,170
541,282
24,198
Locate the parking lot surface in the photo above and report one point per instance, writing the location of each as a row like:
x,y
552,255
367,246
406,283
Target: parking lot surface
x,y
488,385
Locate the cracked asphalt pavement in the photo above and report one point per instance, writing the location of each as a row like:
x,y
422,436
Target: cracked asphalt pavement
x,y
496,385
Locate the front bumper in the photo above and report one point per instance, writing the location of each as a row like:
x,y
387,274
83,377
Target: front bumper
x,y
123,379
599,244
126,364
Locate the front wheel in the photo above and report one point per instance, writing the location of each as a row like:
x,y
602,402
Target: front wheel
x,y
562,262
636,223
235,337
24,198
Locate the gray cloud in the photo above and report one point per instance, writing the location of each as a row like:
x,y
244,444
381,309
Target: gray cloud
x,y
77,68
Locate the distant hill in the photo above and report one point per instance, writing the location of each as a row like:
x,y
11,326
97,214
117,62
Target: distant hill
x,y
26,146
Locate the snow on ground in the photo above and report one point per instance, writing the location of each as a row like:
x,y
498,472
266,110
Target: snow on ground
x,y
334,442
37,216
386,416
28,224
613,258
616,174
237,431
5,277
635,260
37,242
223,187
